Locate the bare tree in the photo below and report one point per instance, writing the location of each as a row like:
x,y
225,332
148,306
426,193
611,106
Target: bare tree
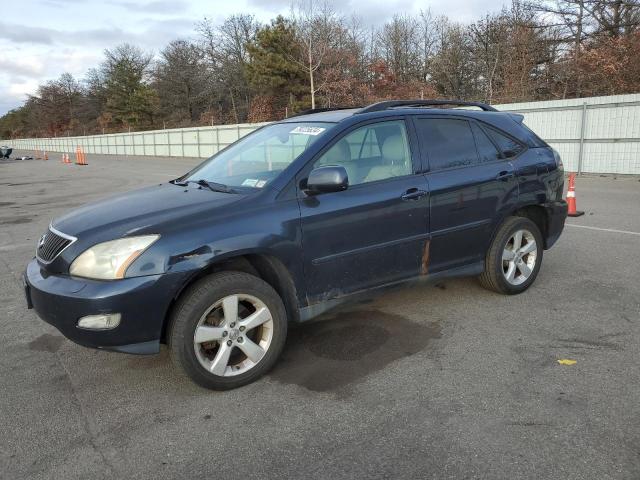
x,y
427,31
225,50
490,37
314,24
614,18
454,71
180,79
400,47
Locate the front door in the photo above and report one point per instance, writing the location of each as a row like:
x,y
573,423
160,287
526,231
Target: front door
x,y
374,232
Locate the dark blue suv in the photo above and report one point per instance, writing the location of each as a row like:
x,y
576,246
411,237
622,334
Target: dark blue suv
x,y
294,219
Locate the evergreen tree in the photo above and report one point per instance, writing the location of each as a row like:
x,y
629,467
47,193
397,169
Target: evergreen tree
x,y
272,73
130,101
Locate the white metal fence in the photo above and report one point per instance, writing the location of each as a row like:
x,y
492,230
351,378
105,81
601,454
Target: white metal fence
x,y
595,135
179,142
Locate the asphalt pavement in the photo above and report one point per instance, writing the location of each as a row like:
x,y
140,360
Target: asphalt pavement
x,y
439,381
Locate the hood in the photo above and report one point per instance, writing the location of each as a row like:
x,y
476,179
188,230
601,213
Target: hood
x,y
143,211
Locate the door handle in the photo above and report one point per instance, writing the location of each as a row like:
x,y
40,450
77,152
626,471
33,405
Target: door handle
x,y
413,194
505,175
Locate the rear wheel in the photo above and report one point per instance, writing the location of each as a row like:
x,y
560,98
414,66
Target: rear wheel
x,y
513,260
228,330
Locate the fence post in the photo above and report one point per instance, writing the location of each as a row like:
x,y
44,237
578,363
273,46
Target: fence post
x,y
583,122
198,141
182,141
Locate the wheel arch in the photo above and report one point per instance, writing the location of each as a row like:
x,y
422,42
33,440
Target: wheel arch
x,y
262,265
538,215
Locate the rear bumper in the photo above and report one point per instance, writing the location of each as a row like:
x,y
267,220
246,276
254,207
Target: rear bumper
x,y
556,215
142,302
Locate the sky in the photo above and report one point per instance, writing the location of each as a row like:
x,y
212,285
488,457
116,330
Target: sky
x,y
41,39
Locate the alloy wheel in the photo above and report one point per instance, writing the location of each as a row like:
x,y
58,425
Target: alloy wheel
x,y
519,257
233,335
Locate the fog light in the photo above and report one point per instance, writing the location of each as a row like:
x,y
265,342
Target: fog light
x,y
105,321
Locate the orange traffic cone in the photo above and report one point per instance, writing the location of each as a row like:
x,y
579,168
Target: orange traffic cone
x,y
46,156
571,197
80,158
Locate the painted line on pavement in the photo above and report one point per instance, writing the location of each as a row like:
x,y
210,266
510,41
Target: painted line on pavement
x,y
610,230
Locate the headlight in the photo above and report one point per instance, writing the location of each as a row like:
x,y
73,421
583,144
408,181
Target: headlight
x,y
110,260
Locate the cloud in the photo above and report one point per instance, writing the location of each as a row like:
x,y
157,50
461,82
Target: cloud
x,y
377,12
25,34
158,6
26,67
270,4
20,77
157,33
14,94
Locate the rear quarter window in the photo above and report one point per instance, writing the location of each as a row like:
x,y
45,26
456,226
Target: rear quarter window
x,y
532,138
487,151
507,146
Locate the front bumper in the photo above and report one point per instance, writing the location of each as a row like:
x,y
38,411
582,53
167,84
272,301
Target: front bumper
x,y
556,216
143,303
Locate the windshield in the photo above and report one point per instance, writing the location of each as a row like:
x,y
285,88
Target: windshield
x,y
260,157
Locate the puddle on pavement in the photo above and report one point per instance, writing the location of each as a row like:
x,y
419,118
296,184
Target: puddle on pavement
x,y
46,343
342,349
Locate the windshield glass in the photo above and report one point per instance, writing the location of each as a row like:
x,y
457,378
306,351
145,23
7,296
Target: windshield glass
x,y
258,158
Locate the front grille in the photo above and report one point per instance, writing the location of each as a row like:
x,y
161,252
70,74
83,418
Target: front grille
x,y
52,244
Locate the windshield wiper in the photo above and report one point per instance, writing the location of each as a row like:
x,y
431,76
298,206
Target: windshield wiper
x,y
213,186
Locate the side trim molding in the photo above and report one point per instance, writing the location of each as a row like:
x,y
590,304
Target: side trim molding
x,y
355,251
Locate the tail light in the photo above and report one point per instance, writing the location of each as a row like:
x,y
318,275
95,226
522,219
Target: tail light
x,y
558,159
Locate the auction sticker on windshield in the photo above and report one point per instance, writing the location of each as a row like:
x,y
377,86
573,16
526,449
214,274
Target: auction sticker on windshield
x,y
250,182
308,130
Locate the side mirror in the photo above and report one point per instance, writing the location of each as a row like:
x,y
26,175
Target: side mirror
x,y
331,178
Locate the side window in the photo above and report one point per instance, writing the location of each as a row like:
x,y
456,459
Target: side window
x,y
449,142
363,143
487,151
374,152
508,147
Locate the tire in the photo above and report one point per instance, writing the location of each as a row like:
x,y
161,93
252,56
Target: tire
x,y
498,266
205,331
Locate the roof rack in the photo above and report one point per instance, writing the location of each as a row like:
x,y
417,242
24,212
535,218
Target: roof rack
x,y
320,110
377,107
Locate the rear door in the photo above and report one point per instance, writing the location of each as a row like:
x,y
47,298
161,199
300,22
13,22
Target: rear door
x,y
471,187
374,232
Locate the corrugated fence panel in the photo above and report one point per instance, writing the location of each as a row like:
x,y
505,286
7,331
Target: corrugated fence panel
x,y
563,125
596,134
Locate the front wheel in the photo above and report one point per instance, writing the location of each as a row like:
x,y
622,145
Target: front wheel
x,y
228,330
513,260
